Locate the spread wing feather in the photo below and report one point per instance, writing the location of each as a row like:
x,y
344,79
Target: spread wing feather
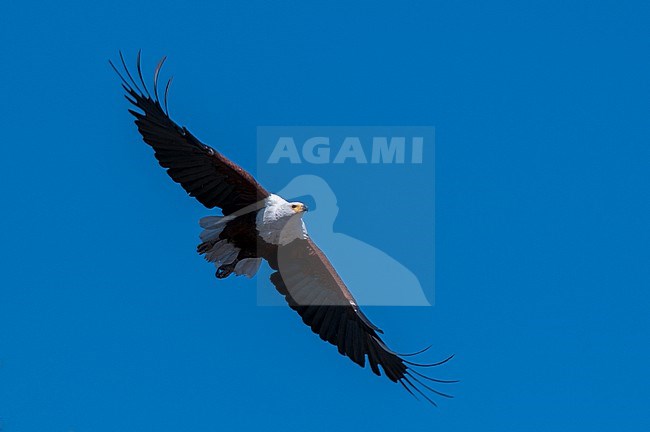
x,y
311,287
204,173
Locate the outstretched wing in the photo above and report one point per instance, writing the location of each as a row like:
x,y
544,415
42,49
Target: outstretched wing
x,y
311,286
202,171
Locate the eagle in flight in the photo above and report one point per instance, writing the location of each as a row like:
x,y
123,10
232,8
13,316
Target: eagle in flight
x,y
257,225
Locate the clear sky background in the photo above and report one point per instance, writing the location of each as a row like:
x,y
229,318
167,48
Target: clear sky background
x,y
110,322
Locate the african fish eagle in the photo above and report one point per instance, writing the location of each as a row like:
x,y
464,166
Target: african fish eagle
x,y
257,225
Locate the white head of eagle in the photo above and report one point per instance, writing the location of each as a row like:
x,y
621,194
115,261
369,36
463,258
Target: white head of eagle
x,y
280,222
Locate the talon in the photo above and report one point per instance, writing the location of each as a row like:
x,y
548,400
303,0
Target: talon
x,y
224,271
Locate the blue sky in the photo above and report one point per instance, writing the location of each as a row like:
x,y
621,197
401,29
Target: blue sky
x,y
110,321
